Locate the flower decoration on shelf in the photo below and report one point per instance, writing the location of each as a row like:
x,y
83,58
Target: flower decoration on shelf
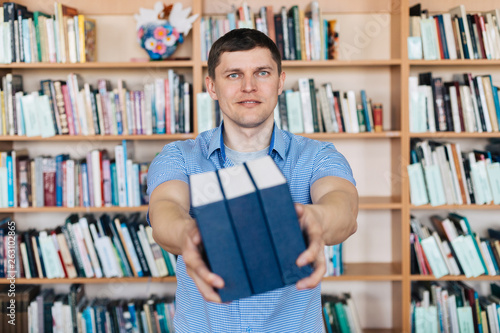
x,y
161,29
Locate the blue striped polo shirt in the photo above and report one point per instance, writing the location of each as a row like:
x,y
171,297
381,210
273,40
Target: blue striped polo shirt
x,y
302,161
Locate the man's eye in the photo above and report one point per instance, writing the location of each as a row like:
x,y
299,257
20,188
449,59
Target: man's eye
x,y
263,73
233,76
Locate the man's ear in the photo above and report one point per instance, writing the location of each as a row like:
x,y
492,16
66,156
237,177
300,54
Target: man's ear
x,y
211,87
281,82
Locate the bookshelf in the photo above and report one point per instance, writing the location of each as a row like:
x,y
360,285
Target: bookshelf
x,y
378,262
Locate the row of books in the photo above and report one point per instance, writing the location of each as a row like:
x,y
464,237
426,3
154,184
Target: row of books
x,y
451,247
95,181
73,107
49,311
454,307
299,34
31,37
334,262
340,314
310,109
454,35
464,104
441,174
87,247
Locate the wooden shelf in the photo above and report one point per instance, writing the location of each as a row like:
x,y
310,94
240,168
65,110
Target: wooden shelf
x,y
64,138
104,65
368,135
336,63
91,280
460,62
353,272
443,135
369,272
452,207
381,330
380,203
364,203
454,278
111,209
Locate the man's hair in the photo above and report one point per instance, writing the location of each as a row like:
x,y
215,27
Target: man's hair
x,y
241,40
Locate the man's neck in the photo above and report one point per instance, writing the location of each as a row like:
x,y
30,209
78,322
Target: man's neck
x,y
248,139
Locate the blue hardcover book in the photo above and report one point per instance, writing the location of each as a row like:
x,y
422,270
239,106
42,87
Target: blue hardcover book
x,y
10,181
365,110
59,178
495,99
443,36
281,218
251,229
219,240
114,185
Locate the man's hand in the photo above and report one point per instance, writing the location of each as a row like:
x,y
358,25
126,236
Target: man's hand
x,y
315,253
196,268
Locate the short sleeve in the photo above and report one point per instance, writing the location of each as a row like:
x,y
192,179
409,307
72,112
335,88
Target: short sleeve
x,y
330,162
169,164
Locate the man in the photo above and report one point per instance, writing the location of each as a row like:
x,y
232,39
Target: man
x,y
245,76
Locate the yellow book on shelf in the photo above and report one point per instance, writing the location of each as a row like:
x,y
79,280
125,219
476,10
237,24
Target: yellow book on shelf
x,y
81,38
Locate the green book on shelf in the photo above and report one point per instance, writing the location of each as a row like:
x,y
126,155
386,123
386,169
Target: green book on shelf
x,y
465,320
36,19
342,317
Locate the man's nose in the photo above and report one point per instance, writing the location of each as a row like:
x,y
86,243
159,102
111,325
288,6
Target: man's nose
x,y
248,83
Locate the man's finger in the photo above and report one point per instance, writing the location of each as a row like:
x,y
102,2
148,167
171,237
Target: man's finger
x,y
315,278
205,289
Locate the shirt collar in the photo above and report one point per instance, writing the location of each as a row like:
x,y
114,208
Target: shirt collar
x,y
217,142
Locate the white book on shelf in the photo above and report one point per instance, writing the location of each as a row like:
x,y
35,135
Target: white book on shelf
x,y
305,98
484,105
187,108
130,187
49,23
121,176
51,260
468,109
26,263
148,111
70,181
446,175
30,114
450,39
82,112
461,169
96,177
454,109
46,124
453,168
346,114
148,253
90,246
351,100
82,249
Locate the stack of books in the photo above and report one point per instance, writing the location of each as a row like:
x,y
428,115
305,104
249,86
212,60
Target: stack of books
x,y
32,37
299,34
464,104
454,307
310,109
441,174
454,35
250,207
340,314
453,248
95,181
73,107
89,248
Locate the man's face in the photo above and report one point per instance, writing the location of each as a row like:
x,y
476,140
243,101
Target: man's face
x,y
247,85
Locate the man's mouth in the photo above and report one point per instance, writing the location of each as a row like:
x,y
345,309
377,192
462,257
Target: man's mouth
x,y
249,102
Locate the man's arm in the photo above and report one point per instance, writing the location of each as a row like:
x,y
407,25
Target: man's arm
x,y
330,219
335,202
176,232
